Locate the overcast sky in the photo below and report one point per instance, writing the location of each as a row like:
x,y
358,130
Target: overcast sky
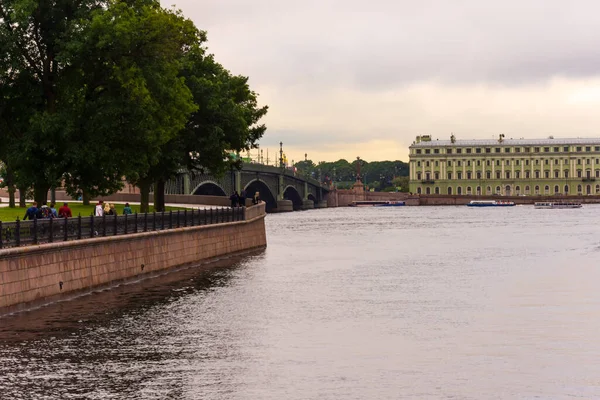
x,y
347,78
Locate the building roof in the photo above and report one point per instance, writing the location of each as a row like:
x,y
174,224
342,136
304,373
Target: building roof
x,y
508,142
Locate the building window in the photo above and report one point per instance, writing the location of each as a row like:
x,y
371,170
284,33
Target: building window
x,y
488,163
537,162
478,175
546,161
517,190
488,190
427,163
459,175
517,174
437,190
468,174
458,151
418,151
578,161
436,151
428,190
488,150
587,161
566,173
588,148
418,176
449,175
478,150
579,174
459,164
537,174
449,163
427,176
526,162
537,189
507,173
478,191
566,149
566,189
419,190
546,149
478,163
517,149
527,174
436,175
527,189
418,163
427,151
518,162
597,188
546,174
497,163
527,149
468,190
488,175
507,162
497,174
459,190
579,190
556,173
449,190
536,149
556,162
437,164
497,150
556,149
597,173
546,189
578,148
556,189
469,163
468,151
507,149
498,190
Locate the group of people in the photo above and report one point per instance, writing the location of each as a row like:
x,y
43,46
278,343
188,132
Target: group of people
x,y
239,200
47,212
109,209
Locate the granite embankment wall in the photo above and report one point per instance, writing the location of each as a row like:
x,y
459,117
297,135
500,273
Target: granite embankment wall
x,y
37,275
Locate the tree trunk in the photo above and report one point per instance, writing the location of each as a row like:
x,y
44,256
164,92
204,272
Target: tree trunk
x,y
22,196
159,195
144,196
85,197
40,193
11,187
53,195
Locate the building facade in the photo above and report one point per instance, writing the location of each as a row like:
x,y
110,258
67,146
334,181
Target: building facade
x,y
508,167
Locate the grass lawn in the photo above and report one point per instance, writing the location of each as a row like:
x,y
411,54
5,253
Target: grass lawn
x,y
11,214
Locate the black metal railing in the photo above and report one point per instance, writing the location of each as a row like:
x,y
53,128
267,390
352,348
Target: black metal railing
x,y
38,231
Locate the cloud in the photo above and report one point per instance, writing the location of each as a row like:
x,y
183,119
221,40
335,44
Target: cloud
x,y
366,77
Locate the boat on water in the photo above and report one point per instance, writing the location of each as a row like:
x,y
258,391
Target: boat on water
x,y
490,203
556,204
367,203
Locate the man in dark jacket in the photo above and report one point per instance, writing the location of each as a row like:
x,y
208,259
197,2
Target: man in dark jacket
x,y
31,211
242,199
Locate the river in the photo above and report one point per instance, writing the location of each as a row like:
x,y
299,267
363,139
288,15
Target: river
x,y
367,303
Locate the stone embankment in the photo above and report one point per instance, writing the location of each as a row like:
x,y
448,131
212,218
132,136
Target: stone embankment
x,y
37,275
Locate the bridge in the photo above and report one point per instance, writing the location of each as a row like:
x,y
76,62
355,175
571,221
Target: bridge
x,y
280,188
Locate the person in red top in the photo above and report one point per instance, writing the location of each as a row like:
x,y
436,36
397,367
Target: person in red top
x,y
65,211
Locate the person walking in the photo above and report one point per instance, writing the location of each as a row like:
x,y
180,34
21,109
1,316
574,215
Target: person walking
x,y
242,199
31,211
256,198
127,210
99,209
235,197
53,210
65,211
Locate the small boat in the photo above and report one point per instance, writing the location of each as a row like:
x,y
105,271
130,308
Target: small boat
x,y
367,203
391,204
556,204
490,203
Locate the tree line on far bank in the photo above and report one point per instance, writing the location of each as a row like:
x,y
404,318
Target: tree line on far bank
x,y
94,91
379,175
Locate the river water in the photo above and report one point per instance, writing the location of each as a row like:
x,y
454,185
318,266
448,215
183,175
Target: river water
x,y
368,303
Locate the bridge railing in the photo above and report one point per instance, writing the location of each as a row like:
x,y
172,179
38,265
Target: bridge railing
x,y
39,231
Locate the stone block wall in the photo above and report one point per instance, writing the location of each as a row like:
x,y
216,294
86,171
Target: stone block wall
x,y
36,275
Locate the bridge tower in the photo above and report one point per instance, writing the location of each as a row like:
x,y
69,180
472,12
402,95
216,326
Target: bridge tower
x,y
283,205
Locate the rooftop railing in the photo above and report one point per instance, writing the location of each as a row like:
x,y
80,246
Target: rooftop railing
x,y
39,231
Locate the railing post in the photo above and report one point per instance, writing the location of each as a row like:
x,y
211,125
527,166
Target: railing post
x,y
211,215
65,228
79,227
135,220
1,244
115,225
162,221
92,226
145,222
178,219
154,221
18,233
192,219
184,218
125,231
35,240
170,219
51,233
103,224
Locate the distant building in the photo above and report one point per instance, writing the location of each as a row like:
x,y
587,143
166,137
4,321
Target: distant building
x,y
505,166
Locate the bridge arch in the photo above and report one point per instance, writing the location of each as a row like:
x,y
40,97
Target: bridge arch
x,y
312,197
209,188
291,193
265,193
